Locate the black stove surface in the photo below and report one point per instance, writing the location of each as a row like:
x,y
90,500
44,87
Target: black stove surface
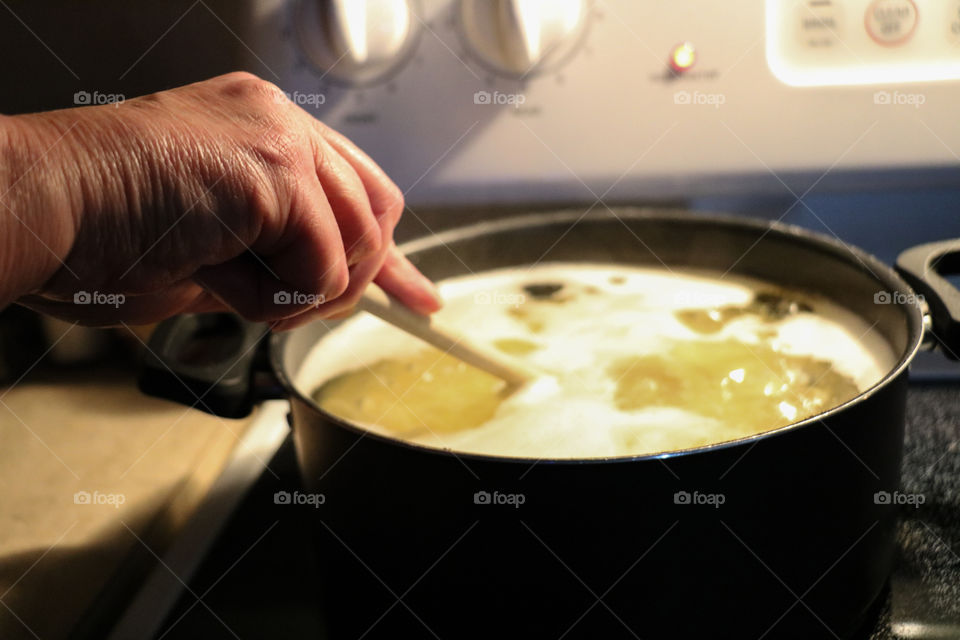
x,y
260,579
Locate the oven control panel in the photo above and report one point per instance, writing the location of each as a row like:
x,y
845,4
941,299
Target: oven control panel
x,y
361,41
539,101
848,42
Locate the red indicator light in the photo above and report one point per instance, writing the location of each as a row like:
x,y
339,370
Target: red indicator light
x,y
683,57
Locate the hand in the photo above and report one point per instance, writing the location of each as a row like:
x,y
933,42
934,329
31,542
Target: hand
x,y
221,194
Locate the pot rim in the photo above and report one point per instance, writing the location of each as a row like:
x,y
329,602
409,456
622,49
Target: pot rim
x,y
884,274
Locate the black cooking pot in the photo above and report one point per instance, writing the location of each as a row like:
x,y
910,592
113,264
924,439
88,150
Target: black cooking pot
x,y
785,534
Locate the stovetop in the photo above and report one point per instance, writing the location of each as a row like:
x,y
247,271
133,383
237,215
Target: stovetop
x,y
260,578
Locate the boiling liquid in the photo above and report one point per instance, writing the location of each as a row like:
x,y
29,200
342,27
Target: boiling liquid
x,y
645,361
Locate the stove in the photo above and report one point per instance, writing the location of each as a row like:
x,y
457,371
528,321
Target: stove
x,y
925,588
805,111
260,577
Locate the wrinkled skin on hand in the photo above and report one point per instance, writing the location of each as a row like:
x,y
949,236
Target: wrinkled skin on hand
x,y
217,195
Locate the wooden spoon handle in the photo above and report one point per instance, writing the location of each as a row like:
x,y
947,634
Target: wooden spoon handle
x,y
449,340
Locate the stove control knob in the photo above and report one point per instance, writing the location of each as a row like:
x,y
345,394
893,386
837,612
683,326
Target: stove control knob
x,y
355,41
520,37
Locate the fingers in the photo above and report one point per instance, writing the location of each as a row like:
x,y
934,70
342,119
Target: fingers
x,y
360,277
304,268
347,196
331,230
396,275
330,249
402,280
246,287
385,198
336,239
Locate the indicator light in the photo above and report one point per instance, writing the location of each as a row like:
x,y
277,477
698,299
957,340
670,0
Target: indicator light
x,y
683,57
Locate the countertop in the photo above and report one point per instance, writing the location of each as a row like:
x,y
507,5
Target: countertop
x,y
94,477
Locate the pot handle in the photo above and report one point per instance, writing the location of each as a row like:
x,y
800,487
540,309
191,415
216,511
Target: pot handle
x,y
210,362
923,267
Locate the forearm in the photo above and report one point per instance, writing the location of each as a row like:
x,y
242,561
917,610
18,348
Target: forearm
x,y
39,202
